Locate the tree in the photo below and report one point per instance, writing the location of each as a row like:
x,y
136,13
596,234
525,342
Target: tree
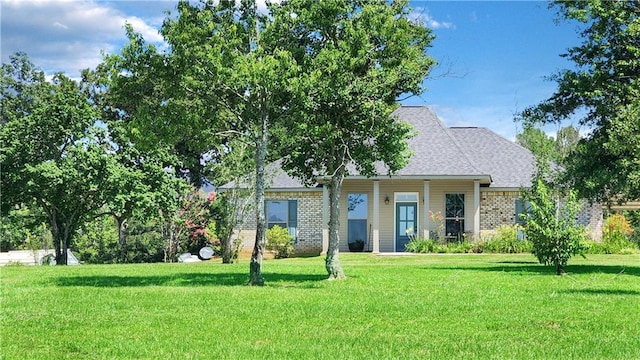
x,y
603,91
218,77
142,180
52,153
545,147
550,224
235,202
538,142
357,59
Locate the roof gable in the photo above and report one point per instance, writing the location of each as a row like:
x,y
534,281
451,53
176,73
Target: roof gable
x,y
440,152
435,150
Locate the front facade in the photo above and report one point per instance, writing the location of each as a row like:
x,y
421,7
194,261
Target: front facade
x,y
459,182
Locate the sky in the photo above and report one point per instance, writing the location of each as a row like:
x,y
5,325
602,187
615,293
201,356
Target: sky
x,y
494,56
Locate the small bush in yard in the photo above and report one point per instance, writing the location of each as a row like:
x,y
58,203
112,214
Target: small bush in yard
x,y
506,241
616,234
420,245
550,226
279,240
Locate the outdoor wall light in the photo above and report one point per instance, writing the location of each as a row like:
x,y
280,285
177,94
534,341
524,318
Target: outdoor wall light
x,y
386,199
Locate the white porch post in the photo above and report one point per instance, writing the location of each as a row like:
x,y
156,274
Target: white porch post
x,y
376,217
426,198
476,208
325,219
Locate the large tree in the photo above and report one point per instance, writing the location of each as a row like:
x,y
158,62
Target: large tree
x,y
217,77
142,183
52,153
603,93
357,59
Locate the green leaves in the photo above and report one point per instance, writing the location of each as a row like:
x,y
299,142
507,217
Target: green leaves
x,y
603,93
550,225
356,58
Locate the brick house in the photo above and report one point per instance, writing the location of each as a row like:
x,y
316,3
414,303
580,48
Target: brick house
x,y
470,176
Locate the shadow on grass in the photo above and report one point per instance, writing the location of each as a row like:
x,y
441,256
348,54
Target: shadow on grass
x,y
603,292
534,268
191,279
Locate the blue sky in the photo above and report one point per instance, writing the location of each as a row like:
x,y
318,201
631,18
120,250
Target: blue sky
x,y
494,56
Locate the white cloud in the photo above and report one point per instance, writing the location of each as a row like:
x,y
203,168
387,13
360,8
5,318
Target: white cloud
x,y
422,14
66,36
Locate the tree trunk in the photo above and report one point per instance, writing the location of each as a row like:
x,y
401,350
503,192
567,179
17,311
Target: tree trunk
x,y
255,266
332,262
122,238
60,241
227,250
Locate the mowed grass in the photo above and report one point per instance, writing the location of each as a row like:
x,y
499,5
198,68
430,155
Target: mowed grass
x,y
403,307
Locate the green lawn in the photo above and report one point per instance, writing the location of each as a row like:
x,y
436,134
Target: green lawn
x,y
421,306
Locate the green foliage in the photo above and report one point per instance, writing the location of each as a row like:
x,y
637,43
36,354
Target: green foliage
x,y
53,154
545,148
602,93
279,240
24,228
356,59
97,242
550,225
506,241
616,233
421,245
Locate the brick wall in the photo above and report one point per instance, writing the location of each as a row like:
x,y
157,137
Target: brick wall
x,y
498,208
309,221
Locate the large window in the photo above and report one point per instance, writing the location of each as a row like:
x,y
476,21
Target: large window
x,y
283,213
454,216
357,212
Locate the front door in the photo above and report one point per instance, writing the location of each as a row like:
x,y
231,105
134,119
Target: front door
x,y
406,221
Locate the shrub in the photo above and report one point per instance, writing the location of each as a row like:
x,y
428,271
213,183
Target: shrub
x,y
551,226
616,233
421,245
506,241
279,240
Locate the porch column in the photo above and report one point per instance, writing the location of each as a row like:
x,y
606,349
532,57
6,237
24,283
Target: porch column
x,y
476,208
426,199
376,217
325,219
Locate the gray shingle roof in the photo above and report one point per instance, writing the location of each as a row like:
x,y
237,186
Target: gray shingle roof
x,y
435,151
509,164
439,151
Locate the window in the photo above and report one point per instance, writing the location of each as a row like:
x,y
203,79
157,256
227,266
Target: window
x,y
357,212
283,213
454,216
406,197
522,207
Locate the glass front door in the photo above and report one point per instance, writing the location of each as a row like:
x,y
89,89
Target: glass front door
x,y
406,221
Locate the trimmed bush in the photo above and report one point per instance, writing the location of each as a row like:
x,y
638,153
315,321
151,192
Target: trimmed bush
x,y
279,241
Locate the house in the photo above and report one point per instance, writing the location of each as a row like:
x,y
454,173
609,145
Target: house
x,y
469,176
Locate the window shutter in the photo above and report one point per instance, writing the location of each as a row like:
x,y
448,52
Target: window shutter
x,y
293,219
519,210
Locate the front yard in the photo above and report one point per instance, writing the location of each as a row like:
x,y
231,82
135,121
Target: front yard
x,y
419,306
